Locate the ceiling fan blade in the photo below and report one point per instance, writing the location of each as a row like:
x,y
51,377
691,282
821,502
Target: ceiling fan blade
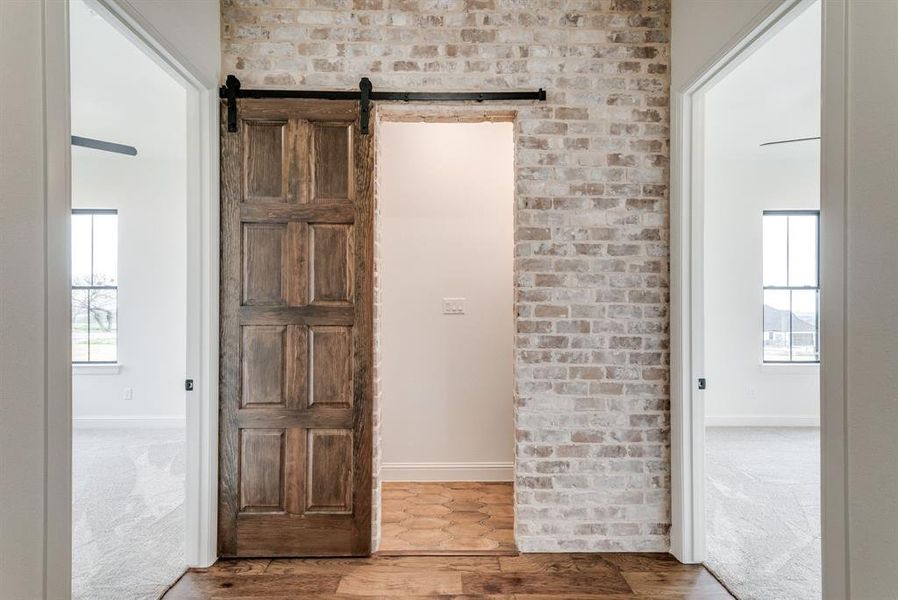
x,y
86,142
805,139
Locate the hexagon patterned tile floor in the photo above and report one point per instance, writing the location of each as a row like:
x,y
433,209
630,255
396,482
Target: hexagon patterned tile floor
x,y
447,517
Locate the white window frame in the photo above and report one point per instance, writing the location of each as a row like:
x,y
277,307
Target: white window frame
x,y
82,366
791,288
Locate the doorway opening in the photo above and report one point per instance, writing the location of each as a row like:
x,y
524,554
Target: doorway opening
x,y
444,314
759,365
129,278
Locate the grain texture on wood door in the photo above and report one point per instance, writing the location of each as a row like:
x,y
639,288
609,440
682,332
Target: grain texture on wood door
x,y
296,331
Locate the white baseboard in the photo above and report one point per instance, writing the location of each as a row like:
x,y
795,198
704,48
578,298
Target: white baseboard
x,y
139,422
763,421
445,471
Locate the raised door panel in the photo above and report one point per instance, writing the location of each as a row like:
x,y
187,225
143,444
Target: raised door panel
x,y
330,366
331,249
263,249
329,471
262,356
266,161
262,470
332,162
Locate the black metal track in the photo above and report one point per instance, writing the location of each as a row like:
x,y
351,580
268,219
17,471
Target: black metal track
x,y
232,91
390,96
457,96
301,94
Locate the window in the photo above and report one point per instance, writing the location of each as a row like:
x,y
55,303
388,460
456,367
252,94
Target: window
x,y
94,286
791,286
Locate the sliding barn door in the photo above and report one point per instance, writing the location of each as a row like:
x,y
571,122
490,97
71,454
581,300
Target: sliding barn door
x,y
296,331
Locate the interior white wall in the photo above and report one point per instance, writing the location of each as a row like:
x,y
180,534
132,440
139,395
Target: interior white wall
x,y
445,196
150,193
772,95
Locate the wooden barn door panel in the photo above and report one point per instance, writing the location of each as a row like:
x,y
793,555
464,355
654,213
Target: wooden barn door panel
x,y
296,331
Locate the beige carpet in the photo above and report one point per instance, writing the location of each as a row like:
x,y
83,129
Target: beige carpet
x,y
763,511
127,512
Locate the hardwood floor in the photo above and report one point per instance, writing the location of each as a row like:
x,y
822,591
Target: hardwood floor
x,y
521,577
447,517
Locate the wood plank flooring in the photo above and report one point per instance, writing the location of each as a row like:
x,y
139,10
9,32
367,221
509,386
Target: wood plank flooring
x,y
448,517
521,577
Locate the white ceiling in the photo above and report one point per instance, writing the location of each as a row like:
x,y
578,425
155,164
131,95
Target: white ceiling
x,y
774,94
120,94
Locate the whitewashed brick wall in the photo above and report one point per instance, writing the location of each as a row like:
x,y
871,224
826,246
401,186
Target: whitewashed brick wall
x,y
591,243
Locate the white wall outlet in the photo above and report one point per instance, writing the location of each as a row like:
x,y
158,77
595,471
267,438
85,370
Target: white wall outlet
x,y
453,306
128,394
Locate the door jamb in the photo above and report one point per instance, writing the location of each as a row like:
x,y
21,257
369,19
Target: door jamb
x,y
57,567
833,367
414,112
202,286
687,534
687,352
202,279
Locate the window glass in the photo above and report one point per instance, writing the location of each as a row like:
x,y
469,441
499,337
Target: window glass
x,y
775,249
80,328
804,325
803,251
105,248
94,286
103,325
791,287
776,326
81,249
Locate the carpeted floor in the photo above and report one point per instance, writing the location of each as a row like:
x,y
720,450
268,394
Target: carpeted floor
x,y
763,511
127,513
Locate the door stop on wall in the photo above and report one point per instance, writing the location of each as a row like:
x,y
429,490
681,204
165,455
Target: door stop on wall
x,y
231,91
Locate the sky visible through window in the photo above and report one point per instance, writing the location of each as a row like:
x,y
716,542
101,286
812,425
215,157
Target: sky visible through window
x,y
791,287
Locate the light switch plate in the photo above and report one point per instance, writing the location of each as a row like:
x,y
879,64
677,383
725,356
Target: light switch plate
x,y
453,306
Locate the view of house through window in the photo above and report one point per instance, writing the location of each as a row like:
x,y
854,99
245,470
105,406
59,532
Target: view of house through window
x,y
94,285
791,286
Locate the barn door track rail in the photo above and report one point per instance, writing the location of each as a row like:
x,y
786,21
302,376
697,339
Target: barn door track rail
x,y
231,91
